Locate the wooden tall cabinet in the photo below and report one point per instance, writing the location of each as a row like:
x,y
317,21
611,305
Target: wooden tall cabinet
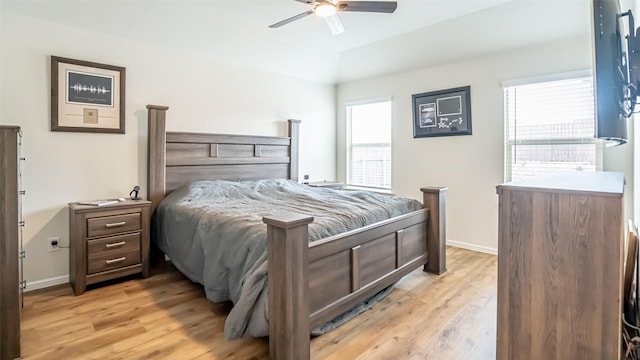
x,y
10,242
560,267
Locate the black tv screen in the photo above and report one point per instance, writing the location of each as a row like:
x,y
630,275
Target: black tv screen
x,y
610,72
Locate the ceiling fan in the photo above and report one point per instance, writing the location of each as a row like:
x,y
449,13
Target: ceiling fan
x,y
328,10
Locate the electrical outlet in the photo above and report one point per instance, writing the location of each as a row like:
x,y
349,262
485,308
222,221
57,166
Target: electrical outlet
x,y
54,243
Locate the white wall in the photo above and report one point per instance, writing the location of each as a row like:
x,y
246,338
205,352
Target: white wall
x,y
621,158
203,95
635,130
470,166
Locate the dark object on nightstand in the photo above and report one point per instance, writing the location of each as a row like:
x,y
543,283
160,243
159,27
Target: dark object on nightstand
x,y
107,242
134,193
327,184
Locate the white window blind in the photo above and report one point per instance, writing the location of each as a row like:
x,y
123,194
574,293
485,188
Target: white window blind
x,y
549,126
369,145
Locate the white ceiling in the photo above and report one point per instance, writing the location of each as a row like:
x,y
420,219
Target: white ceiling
x,y
420,33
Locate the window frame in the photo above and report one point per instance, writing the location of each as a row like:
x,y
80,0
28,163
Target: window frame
x,y
510,144
348,109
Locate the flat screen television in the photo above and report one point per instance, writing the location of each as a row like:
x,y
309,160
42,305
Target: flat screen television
x,y
614,95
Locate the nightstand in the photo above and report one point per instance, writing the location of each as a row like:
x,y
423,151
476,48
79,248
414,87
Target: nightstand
x,y
327,184
107,242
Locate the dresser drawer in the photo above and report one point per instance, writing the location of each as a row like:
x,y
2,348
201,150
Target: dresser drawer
x,y
113,245
115,224
113,261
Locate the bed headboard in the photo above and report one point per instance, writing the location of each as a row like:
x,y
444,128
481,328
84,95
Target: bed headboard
x,y
178,158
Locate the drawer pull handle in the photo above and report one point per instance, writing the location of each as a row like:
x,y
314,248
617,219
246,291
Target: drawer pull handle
x,y
113,261
115,224
115,244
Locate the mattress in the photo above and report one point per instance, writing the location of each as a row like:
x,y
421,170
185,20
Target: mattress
x,y
213,233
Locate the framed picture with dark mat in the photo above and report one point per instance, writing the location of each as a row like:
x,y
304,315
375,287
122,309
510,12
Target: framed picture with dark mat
x,y
442,113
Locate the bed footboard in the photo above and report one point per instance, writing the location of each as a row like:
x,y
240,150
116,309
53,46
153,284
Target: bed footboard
x,y
310,284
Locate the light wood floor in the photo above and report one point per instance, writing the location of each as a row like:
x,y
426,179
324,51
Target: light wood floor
x,y
451,316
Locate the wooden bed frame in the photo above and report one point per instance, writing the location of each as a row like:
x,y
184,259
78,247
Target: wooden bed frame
x,y
309,283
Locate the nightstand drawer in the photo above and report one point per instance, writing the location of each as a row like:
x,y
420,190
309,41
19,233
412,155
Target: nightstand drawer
x,y
113,245
113,261
107,225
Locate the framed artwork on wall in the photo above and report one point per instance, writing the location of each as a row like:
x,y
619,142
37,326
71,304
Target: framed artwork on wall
x,y
87,96
442,113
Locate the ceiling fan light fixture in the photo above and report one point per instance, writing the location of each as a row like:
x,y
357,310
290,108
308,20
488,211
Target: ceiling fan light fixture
x,y
328,9
325,10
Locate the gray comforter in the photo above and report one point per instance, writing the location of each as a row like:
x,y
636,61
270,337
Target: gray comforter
x,y
213,232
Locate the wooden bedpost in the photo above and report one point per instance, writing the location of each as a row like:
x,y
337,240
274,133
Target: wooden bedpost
x,y
434,199
288,269
294,134
156,174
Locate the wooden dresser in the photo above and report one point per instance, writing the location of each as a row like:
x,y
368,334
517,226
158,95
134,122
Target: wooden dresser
x,y
11,223
107,242
560,267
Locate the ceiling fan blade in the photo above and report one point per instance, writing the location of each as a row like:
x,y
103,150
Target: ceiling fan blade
x,y
293,18
310,2
335,24
367,6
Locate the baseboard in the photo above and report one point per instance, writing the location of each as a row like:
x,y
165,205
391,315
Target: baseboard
x,y
478,248
41,284
59,280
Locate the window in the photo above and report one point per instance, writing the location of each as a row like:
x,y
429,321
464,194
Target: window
x,y
549,126
369,144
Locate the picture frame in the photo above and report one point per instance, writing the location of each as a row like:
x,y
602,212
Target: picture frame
x,y
87,96
442,113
